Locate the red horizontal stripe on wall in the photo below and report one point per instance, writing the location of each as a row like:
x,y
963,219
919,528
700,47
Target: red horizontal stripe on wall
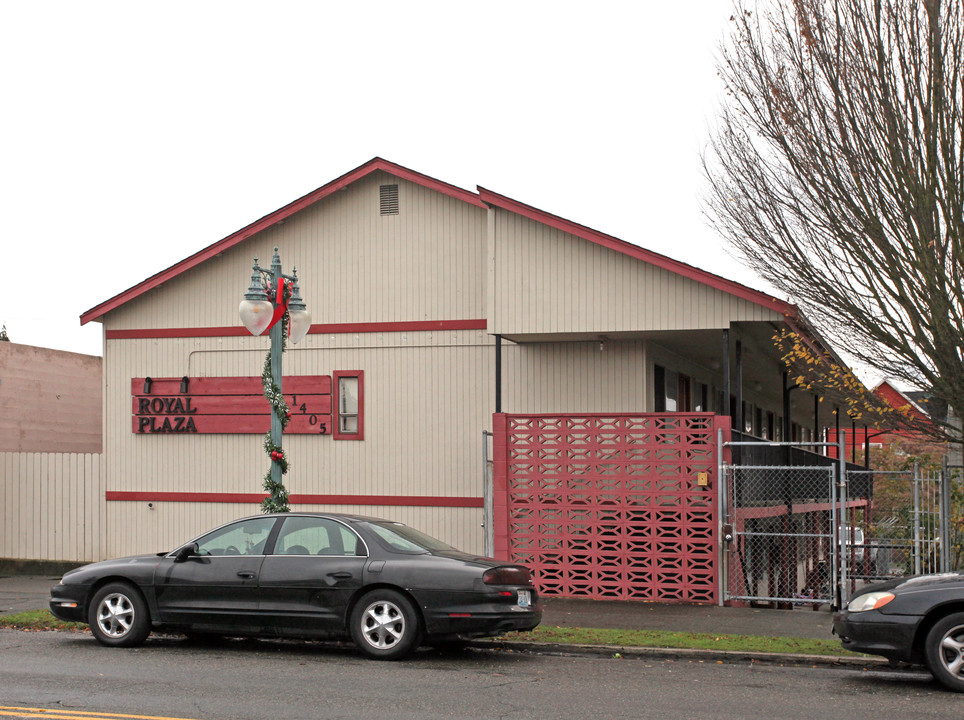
x,y
294,385
297,499
331,329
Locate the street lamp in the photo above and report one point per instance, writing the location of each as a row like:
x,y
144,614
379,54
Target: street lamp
x,y
273,296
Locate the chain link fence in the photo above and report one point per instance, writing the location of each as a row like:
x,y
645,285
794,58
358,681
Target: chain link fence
x,y
796,536
914,537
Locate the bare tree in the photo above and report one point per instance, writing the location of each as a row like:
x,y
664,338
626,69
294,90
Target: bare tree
x,y
836,173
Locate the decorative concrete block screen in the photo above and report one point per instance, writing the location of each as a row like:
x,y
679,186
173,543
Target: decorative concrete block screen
x,y
620,507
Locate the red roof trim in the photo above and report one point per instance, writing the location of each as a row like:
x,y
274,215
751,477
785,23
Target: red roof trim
x,y
634,251
320,329
267,221
897,398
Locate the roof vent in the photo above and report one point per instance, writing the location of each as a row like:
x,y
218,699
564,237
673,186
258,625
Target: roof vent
x,y
388,199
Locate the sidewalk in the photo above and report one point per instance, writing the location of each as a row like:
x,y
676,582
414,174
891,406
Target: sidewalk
x,y
19,593
800,622
30,592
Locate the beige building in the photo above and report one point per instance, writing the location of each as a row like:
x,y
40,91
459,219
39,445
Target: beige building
x,y
505,379
434,307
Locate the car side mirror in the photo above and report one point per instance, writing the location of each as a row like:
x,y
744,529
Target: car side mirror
x,y
185,552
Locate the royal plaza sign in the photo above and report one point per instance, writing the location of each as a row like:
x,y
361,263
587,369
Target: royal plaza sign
x,y
227,405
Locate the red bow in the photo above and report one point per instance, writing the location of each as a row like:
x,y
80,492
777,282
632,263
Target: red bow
x,y
281,304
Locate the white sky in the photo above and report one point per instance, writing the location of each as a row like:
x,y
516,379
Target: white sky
x,y
136,133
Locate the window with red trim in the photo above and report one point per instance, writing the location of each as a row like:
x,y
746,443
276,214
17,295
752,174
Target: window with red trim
x,y
349,404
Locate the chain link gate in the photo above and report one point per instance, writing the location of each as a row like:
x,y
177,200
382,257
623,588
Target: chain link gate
x,y
779,533
784,509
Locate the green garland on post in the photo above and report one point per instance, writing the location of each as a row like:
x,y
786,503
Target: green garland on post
x,y
277,500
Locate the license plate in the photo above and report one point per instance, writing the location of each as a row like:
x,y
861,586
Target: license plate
x,y
525,598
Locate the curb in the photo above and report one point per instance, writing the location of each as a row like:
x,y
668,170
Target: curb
x,y
682,654
651,653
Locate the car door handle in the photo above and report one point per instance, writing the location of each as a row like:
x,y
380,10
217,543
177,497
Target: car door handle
x,y
246,574
340,575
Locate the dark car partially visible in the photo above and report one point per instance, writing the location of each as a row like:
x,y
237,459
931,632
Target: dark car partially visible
x,y
918,620
388,587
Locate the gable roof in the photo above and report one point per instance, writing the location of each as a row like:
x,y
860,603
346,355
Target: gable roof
x,y
483,199
897,398
635,251
373,165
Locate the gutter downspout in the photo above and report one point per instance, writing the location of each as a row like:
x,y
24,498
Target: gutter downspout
x,y
498,373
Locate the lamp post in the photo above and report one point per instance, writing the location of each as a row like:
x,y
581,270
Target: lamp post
x,y
273,302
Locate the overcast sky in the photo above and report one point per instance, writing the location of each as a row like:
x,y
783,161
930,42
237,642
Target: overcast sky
x,y
136,133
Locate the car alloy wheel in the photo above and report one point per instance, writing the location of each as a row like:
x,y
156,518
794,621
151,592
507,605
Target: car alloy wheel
x,y
944,650
118,616
385,626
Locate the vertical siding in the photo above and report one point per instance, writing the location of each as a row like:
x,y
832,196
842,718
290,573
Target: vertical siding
x,y
354,265
424,410
167,525
426,401
428,397
548,281
54,506
575,377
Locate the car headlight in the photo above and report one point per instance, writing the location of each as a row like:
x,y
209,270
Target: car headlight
x,y
870,601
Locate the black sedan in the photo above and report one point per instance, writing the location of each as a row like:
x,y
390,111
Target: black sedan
x,y
917,620
388,587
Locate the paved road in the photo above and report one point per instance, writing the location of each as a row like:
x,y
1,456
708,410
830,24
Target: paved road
x,y
254,680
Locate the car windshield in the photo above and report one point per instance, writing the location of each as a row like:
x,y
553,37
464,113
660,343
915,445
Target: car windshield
x,y
401,538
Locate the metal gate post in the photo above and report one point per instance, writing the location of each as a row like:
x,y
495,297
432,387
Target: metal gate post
x,y
917,542
945,517
725,538
839,521
488,526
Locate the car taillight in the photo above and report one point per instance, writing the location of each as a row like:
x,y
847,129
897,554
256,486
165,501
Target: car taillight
x,y
507,575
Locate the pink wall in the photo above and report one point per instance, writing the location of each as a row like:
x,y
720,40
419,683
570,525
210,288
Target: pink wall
x,y
50,400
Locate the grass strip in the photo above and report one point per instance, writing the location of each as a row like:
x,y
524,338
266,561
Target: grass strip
x,y
548,634
692,641
37,620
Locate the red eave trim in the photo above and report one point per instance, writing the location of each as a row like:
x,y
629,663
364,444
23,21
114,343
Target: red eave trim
x,y
320,329
634,251
296,499
267,221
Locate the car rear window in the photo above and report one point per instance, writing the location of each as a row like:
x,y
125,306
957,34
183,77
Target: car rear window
x,y
401,538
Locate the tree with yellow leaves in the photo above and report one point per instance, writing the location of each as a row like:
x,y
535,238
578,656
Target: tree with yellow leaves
x,y
837,173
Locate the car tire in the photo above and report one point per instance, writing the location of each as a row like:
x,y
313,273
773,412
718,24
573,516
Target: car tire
x,y
385,625
118,616
944,651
